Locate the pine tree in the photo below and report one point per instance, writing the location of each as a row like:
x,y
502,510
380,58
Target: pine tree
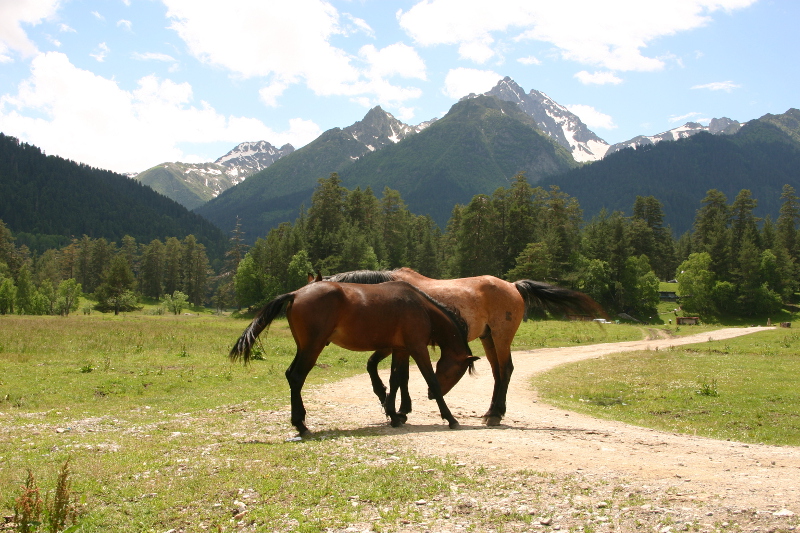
x,y
152,273
786,225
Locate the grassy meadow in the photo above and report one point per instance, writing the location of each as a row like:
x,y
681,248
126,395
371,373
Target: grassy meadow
x,y
745,389
163,433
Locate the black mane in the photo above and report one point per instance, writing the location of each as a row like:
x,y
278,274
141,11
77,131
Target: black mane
x,y
363,276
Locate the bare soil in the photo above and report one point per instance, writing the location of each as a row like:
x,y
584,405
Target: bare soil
x,y
652,479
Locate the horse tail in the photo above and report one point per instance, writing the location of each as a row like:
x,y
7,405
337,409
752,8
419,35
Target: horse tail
x,y
261,322
554,299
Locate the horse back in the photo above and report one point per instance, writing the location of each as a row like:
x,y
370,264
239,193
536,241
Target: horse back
x,y
482,300
361,317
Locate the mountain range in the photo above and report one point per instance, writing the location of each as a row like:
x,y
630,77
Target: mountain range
x,y
50,196
478,146
193,184
275,194
762,156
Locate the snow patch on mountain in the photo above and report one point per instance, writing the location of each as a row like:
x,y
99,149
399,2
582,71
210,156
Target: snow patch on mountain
x,y
565,127
717,126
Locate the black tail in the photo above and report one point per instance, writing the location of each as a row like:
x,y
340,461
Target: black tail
x,y
262,321
557,299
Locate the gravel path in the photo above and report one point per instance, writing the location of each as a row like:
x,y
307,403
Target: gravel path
x,y
535,436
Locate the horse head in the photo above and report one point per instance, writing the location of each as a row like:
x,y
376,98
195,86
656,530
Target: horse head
x,y
451,368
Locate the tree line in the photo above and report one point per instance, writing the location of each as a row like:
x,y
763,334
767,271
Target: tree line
x,y
114,275
731,262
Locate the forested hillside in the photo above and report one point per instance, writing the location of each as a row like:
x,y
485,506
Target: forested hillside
x,y
731,263
49,195
761,157
478,146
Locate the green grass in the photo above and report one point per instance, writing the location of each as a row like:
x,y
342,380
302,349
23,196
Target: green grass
x,y
162,432
745,389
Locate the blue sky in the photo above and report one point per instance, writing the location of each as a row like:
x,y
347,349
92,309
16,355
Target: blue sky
x,y
129,84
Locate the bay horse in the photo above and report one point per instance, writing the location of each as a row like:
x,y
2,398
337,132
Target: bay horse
x,y
396,318
493,309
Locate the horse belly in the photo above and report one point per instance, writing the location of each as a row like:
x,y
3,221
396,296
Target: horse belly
x,y
365,340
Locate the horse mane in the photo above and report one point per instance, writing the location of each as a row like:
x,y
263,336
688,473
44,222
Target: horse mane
x,y
363,276
452,313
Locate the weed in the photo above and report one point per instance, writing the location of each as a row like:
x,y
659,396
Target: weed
x,y
87,368
62,511
28,506
708,388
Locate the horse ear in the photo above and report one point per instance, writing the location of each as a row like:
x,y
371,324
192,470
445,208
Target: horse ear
x,y
310,277
319,276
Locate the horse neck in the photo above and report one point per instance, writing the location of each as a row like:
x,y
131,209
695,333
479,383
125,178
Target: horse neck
x,y
447,334
409,275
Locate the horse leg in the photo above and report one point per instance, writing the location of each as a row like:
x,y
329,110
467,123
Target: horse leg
x,y
296,375
398,374
372,369
502,368
434,390
400,365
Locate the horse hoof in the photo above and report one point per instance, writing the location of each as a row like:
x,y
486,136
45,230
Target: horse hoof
x,y
454,425
402,417
397,422
305,434
492,420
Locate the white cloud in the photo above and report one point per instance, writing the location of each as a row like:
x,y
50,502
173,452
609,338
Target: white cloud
x,y
152,56
126,24
290,42
463,81
98,16
357,24
405,114
529,60
681,118
598,78
592,117
13,14
479,50
76,114
396,59
726,86
66,28
100,52
269,94
610,35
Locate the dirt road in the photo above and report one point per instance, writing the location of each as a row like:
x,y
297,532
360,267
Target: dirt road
x,y
536,436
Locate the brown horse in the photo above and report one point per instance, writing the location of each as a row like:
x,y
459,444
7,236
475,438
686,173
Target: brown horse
x,y
493,310
395,318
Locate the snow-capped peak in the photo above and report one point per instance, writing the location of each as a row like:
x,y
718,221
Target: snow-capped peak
x,y
553,119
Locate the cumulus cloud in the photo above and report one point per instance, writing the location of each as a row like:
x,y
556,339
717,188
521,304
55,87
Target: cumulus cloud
x,y
598,78
610,35
100,52
726,86
152,56
13,15
529,60
687,116
291,42
77,114
592,117
463,81
125,24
